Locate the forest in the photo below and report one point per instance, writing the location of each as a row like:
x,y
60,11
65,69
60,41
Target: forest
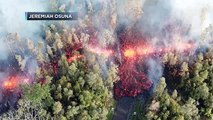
x,y
79,70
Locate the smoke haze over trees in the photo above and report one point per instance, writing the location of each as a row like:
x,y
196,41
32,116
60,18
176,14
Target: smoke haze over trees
x,y
73,65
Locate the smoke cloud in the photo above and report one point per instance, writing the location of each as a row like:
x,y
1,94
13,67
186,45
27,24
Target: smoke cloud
x,y
189,18
14,26
171,22
155,71
12,16
12,20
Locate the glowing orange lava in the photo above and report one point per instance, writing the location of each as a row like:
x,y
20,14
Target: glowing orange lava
x,y
99,51
75,57
129,53
144,51
10,84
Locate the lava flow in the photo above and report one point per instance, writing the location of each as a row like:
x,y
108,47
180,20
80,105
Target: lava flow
x,y
75,57
10,84
132,80
129,53
100,51
13,82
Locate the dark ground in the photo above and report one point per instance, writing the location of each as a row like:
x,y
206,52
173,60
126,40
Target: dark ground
x,y
123,108
125,105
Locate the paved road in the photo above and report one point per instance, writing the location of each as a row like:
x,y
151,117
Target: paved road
x,y
123,108
125,105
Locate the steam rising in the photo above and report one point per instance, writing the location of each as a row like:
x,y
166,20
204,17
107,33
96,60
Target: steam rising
x,y
155,71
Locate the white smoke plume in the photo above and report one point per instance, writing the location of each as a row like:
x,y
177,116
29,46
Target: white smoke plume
x,y
14,24
155,71
12,20
198,13
193,16
12,16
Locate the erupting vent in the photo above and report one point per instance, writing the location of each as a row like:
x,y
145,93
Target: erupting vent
x,y
133,81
